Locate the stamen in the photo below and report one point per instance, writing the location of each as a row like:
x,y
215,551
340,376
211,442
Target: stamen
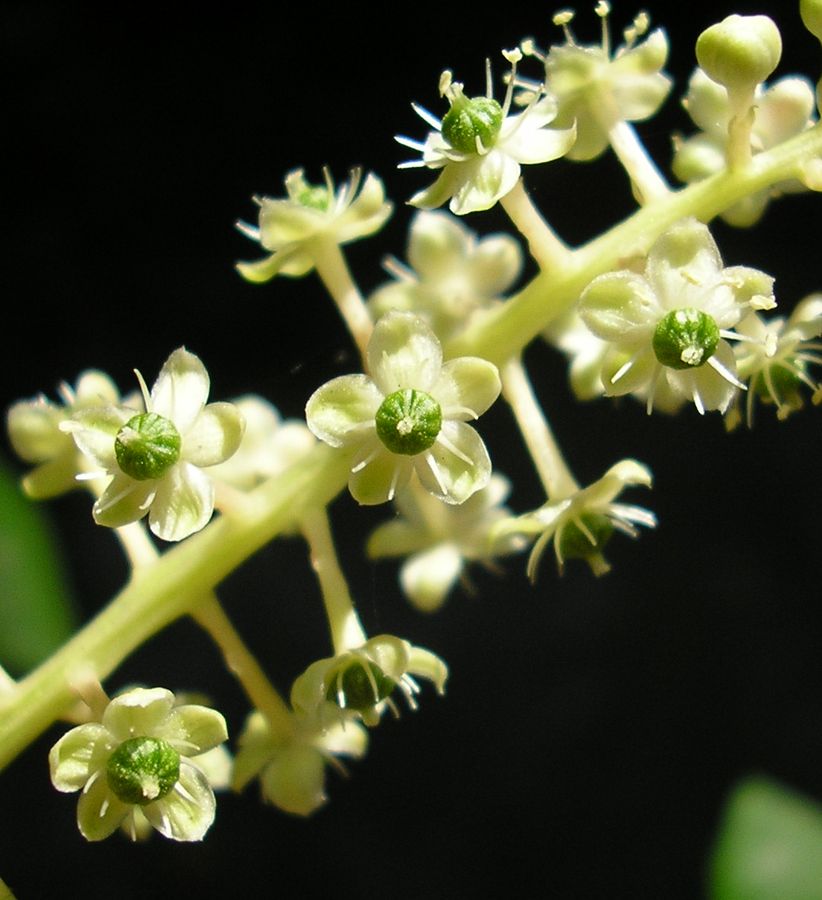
x,y
427,117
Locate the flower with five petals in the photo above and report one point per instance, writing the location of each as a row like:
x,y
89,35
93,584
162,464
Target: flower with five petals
x,y
409,416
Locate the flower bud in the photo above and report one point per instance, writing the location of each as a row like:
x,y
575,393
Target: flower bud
x,y
740,51
811,12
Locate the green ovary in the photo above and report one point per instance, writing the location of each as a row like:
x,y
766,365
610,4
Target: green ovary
x,y
408,422
467,120
147,446
574,543
361,687
685,338
143,769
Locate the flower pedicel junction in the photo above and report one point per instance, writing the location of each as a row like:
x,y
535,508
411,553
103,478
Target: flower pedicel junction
x,y
648,309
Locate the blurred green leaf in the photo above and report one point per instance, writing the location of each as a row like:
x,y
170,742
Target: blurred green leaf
x,y
769,845
36,613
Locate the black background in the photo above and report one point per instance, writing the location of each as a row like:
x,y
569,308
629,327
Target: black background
x,y
592,727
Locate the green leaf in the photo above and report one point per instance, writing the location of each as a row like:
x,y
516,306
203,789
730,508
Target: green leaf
x,y
769,845
36,613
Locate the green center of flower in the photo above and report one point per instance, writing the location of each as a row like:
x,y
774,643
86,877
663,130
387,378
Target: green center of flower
x,y
685,338
408,421
147,446
467,120
314,197
143,769
361,686
575,543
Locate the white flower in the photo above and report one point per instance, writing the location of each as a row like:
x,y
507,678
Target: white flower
x,y
138,761
291,767
780,111
288,226
441,539
269,445
667,327
596,88
37,437
582,523
480,148
451,273
774,357
360,682
157,457
409,416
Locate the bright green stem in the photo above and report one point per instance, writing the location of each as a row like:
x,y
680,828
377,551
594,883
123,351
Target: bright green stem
x,y
550,464
550,253
503,332
210,616
333,270
5,891
161,593
347,632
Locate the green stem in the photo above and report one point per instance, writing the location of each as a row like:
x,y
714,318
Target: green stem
x,y
333,270
5,891
161,593
347,632
211,617
548,250
504,331
550,464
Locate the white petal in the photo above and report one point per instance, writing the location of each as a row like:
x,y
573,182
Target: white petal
x,y
378,474
100,811
181,389
342,411
456,466
123,501
139,711
77,755
403,353
214,435
466,387
184,503
186,813
426,578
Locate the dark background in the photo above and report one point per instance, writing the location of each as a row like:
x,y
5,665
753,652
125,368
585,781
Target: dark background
x,y
591,728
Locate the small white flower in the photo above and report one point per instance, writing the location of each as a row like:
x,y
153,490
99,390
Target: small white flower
x,y
668,327
780,111
359,683
312,212
774,357
597,88
440,539
291,767
37,437
137,761
480,147
269,446
451,273
582,523
157,457
409,416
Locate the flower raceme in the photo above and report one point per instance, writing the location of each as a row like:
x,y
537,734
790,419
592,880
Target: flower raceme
x,y
479,147
409,416
156,457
